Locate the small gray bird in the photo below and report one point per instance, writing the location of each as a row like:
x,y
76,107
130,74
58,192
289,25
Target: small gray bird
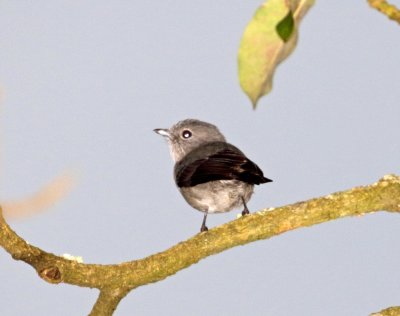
x,y
212,175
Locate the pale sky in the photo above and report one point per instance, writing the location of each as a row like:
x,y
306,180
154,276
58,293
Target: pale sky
x,y
86,82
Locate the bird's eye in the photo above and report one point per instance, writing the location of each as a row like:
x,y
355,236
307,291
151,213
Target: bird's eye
x,y
186,134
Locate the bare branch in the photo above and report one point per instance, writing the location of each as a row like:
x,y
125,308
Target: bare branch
x,y
391,11
391,311
108,301
115,281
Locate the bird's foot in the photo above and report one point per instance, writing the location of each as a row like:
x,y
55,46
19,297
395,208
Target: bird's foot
x,y
246,210
203,227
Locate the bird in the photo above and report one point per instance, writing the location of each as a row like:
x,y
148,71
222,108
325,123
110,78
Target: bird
x,y
212,175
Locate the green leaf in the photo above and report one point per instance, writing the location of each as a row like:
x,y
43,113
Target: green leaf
x,y
285,27
268,39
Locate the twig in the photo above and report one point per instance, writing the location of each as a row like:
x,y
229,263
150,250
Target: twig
x,y
391,11
391,311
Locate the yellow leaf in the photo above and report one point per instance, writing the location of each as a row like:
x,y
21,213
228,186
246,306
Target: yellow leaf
x,y
262,48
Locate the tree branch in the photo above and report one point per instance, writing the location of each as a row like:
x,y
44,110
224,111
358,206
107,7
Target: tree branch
x,y
115,281
391,311
107,301
391,11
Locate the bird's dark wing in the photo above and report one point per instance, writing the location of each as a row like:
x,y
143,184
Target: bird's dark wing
x,y
226,164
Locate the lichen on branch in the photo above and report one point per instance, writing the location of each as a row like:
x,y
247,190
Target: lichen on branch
x,y
115,281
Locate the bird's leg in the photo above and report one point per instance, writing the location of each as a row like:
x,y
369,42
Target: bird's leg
x,y
203,227
246,210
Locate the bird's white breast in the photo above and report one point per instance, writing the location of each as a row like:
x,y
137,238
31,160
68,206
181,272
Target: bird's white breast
x,y
217,196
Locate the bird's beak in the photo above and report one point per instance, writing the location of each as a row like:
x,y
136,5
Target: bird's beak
x,y
163,132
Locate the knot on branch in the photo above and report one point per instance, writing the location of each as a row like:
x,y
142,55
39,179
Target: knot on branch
x,y
51,274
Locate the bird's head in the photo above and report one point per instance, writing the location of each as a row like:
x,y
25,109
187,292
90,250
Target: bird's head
x,y
187,135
